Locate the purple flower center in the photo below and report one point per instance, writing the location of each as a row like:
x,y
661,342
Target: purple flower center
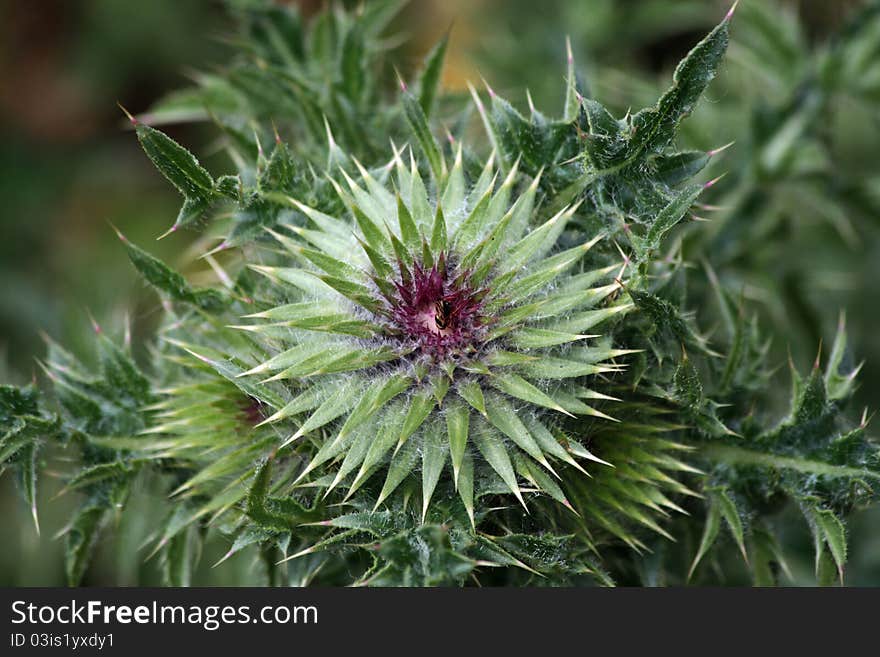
x,y
251,411
438,310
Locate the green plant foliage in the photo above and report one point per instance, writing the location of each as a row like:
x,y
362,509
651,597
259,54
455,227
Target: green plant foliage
x,y
98,406
443,361
812,457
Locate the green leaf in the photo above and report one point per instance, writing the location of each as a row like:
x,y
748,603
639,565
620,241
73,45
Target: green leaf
x,y
603,145
339,402
409,232
710,533
182,169
177,560
420,406
539,478
373,234
668,217
418,122
457,416
352,63
492,448
82,534
418,197
687,388
731,517
734,455
504,358
828,529
166,280
504,418
439,387
359,294
355,452
766,554
516,386
299,312
838,384
454,192
535,141
377,207
584,321
329,243
469,229
389,429
550,445
472,393
537,242
559,368
465,484
99,472
383,268
538,338
335,358
434,453
378,394
260,487
655,127
439,237
429,81
402,464
27,460
332,266
675,168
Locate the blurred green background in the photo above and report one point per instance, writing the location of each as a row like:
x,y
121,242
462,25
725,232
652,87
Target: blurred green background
x,y
796,228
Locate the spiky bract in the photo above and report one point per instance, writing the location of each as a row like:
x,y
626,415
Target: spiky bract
x,y
443,326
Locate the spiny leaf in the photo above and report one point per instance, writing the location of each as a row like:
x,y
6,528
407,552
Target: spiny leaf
x,y
541,480
472,393
182,169
352,63
516,386
434,453
454,192
81,536
166,280
492,448
373,400
675,168
439,237
559,368
389,429
177,560
340,401
538,338
828,529
429,81
402,464
654,128
504,418
465,485
418,122
731,516
420,405
457,416
27,459
665,221
409,232
710,533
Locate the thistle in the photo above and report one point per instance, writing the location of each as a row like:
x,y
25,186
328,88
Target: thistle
x,y
441,329
435,362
